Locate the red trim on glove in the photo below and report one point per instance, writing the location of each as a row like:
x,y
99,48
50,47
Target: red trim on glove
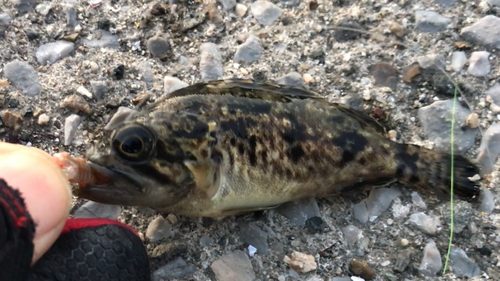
x,y
74,224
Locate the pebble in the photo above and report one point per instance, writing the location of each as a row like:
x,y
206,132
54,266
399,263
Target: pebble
x,y
146,73
431,262
43,119
102,39
300,262
462,265
70,126
118,72
253,235
340,279
5,19
446,3
432,61
435,120
228,4
241,10
472,120
484,32
22,76
397,29
479,64
494,2
265,12
308,78
315,225
157,46
411,72
347,30
233,266
99,88
487,200
362,269
210,62
398,210
70,16
431,22
174,269
355,240
299,211
417,200
205,241
84,92
97,210
426,224
159,229
494,93
403,259
172,84
24,6
293,79
458,60
12,119
377,202
248,52
77,103
385,74
489,150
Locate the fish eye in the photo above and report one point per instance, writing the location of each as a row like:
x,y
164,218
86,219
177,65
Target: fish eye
x,y
134,143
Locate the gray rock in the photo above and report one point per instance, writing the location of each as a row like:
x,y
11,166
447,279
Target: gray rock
x,y
210,62
341,279
70,16
5,19
431,22
24,6
431,262
23,76
479,64
99,88
487,200
494,93
233,266
292,79
426,224
355,239
458,60
435,120
378,201
462,265
205,241
265,12
228,4
403,259
484,32
417,200
446,3
172,84
399,210
43,9
489,148
159,229
70,126
102,39
463,213
432,61
174,269
249,51
253,235
157,46
299,211
493,2
97,210
51,52
147,73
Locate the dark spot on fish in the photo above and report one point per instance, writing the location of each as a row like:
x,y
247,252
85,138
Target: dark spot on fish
x,y
238,126
263,155
414,179
197,106
168,152
253,107
351,144
241,149
233,141
409,160
337,119
198,131
296,153
289,173
400,170
296,132
204,153
362,161
252,151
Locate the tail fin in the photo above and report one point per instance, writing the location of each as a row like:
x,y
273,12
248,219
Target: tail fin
x,y
430,170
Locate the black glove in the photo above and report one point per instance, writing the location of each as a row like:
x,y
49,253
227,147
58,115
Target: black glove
x,y
87,249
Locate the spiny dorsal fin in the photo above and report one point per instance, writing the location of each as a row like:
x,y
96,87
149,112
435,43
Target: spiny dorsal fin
x,y
362,117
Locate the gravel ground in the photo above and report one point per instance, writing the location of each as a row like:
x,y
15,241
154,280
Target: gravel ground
x,y
388,58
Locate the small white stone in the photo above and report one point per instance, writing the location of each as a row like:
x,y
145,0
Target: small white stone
x,y
84,92
479,64
43,119
458,60
308,78
241,10
404,242
251,250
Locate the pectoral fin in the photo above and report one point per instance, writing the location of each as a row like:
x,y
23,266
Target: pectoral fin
x,y
207,176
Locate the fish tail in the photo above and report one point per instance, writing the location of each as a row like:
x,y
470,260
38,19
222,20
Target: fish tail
x,y
431,170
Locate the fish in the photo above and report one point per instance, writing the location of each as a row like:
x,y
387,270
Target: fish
x,y
228,147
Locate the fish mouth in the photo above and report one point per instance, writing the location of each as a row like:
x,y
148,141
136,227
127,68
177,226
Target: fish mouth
x,y
112,185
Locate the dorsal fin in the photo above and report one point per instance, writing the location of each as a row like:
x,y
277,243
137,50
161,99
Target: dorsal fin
x,y
362,117
246,88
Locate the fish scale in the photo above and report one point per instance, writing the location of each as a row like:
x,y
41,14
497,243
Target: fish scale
x,y
232,146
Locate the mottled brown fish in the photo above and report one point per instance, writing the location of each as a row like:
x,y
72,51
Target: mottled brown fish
x,y
227,147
